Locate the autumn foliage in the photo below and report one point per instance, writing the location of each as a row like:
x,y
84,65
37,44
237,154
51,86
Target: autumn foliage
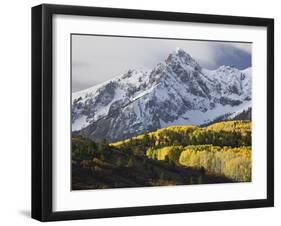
x,y
220,149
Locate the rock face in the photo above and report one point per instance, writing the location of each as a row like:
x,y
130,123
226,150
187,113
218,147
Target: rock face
x,y
176,92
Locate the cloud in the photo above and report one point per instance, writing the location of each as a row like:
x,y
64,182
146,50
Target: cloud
x,y
246,47
96,59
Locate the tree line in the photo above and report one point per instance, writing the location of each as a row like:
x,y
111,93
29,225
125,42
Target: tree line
x,y
230,133
223,148
234,163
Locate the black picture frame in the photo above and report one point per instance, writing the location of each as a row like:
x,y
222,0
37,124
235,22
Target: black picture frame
x,y
42,111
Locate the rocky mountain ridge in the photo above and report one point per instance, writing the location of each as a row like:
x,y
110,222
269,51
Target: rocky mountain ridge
x,y
176,92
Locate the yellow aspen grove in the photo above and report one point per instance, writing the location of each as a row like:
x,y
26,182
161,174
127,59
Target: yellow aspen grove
x,y
234,163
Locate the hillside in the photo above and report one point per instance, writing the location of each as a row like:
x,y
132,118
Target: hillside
x,y
100,166
228,133
219,153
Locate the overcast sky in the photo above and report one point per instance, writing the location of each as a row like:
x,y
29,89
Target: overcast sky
x,y
96,59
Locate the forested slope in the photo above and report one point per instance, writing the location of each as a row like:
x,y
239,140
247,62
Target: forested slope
x,y
219,153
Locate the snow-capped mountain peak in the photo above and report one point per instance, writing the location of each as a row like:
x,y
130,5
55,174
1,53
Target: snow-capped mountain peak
x,y
180,57
175,92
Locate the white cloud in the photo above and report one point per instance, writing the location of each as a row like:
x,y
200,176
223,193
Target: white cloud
x,y
243,46
96,59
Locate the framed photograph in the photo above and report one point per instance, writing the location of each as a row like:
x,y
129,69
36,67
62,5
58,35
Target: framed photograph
x,y
146,112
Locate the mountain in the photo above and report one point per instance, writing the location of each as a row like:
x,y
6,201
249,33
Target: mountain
x,y
176,92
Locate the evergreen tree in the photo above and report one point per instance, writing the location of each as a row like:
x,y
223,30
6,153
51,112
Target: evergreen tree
x,y
200,180
103,146
191,180
146,139
102,158
130,163
162,176
119,163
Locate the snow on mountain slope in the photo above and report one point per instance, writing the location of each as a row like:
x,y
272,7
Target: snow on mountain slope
x,y
176,92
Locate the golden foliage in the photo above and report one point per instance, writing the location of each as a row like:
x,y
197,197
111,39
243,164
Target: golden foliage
x,y
165,153
242,126
223,148
234,163
238,132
